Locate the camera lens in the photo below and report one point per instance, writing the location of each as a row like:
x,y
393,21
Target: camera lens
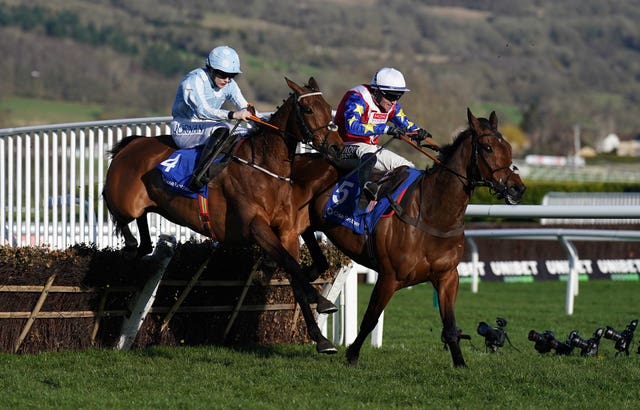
x,y
612,334
484,329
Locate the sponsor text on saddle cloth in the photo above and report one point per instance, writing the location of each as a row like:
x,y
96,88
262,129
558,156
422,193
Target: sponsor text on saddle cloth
x,y
342,206
177,169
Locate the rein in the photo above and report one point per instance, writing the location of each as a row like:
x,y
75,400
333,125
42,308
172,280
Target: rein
x,y
474,180
309,134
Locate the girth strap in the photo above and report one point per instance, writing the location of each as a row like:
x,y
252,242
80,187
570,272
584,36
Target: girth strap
x,y
203,213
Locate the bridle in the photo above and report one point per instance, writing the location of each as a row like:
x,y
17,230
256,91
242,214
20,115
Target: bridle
x,y
474,177
309,135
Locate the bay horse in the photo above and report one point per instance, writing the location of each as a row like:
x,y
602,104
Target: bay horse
x,y
250,200
423,241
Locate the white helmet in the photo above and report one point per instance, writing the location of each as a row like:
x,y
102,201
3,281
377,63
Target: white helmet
x,y
389,79
225,59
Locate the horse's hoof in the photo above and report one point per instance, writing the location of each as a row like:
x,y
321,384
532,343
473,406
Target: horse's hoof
x,y
352,357
326,347
325,306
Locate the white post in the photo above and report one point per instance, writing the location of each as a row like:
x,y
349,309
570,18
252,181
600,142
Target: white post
x,y
130,326
333,292
572,278
475,262
350,325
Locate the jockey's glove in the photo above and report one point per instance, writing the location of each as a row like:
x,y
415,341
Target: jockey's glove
x,y
421,135
395,132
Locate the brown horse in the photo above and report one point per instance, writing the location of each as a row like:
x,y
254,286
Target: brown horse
x,y
424,240
250,200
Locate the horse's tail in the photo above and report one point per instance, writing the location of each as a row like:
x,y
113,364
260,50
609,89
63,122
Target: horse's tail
x,y
121,144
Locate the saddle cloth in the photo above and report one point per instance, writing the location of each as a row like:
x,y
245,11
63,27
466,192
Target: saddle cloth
x,y
342,206
177,169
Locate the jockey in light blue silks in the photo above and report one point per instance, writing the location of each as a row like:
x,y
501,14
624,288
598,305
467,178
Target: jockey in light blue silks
x,y
198,116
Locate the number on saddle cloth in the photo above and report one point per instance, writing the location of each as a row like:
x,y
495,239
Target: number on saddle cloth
x,y
342,207
177,169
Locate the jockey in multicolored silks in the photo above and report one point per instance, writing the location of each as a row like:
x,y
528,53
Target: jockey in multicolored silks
x,y
198,116
362,116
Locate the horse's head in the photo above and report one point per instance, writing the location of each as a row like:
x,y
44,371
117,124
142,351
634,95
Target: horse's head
x,y
491,163
313,122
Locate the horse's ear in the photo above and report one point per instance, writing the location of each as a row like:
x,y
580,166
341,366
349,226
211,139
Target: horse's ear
x,y
295,87
473,121
313,83
493,120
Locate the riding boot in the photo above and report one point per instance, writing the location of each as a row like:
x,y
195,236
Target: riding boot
x,y
369,189
211,149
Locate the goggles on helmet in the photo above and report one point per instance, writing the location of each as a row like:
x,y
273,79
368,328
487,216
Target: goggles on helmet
x,y
221,74
391,95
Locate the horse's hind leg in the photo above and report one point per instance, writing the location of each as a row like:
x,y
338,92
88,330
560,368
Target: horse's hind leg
x,y
380,296
145,247
130,249
447,292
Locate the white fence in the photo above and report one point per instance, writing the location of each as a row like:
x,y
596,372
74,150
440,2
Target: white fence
x,y
51,180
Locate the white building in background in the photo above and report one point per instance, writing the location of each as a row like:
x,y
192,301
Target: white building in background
x,y
610,143
629,148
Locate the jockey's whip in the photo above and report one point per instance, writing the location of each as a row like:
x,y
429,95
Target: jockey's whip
x,y
416,146
261,122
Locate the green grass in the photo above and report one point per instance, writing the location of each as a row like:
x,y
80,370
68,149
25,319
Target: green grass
x,y
410,370
32,111
19,112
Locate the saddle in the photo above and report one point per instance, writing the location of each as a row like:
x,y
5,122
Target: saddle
x,y
390,181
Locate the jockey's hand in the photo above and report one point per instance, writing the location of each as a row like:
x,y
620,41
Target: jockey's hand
x,y
421,135
395,132
243,114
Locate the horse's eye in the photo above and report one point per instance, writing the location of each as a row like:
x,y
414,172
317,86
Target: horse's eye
x,y
307,110
487,148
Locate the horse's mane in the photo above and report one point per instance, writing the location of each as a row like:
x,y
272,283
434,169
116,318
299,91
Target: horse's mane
x,y
446,151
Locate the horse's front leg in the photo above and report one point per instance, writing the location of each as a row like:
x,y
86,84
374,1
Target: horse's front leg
x,y
380,296
447,288
318,266
269,241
